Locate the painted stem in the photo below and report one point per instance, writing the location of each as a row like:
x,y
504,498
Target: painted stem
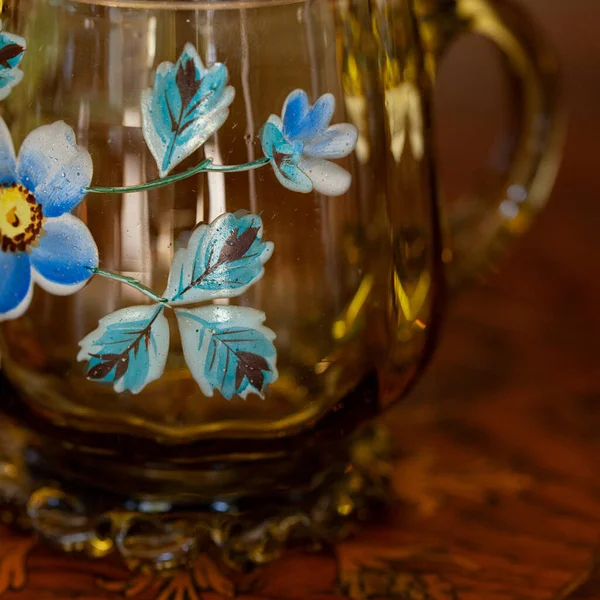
x,y
204,166
131,282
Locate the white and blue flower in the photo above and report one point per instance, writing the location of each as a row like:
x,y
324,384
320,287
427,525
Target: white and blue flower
x,y
12,50
301,143
40,241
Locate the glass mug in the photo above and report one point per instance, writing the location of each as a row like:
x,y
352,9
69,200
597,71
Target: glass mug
x,y
290,215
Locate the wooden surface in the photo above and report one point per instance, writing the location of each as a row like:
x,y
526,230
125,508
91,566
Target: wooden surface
x,y
500,480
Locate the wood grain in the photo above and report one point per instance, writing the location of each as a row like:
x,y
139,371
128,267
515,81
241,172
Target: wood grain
x,y
499,479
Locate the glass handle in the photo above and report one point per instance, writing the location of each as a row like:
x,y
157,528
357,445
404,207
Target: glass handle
x,y
480,226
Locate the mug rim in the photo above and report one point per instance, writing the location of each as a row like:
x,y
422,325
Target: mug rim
x,y
189,4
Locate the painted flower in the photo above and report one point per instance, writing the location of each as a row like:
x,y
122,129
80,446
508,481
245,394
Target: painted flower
x,y
301,142
12,50
40,241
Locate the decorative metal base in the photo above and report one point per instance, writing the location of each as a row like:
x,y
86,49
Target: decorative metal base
x,y
155,535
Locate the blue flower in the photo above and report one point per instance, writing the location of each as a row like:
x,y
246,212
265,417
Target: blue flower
x,y
300,143
12,49
40,241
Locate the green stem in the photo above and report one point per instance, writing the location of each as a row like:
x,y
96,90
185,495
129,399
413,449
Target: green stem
x,y
130,281
204,166
255,164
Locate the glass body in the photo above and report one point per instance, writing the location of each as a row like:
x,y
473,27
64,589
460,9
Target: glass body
x,y
354,288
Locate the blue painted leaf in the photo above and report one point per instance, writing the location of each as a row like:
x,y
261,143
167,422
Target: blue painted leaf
x,y
187,104
284,156
221,260
129,349
227,349
12,50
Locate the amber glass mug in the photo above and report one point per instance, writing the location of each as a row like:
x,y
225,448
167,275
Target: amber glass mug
x,y
222,249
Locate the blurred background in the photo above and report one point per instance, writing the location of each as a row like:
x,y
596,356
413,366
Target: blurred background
x,y
540,307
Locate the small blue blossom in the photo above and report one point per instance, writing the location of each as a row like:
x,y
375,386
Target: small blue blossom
x,y
12,50
40,241
300,143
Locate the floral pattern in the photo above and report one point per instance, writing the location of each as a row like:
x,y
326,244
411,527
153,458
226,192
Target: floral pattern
x,y
40,241
12,50
226,347
204,575
129,349
301,142
220,261
186,106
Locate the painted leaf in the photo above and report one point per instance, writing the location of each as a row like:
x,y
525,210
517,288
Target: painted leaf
x,y
187,104
221,260
10,54
128,349
284,156
227,349
12,50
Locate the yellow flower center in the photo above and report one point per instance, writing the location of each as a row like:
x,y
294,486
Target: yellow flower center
x,y
21,218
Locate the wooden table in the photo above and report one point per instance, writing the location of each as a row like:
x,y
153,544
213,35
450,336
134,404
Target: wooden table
x,y
499,486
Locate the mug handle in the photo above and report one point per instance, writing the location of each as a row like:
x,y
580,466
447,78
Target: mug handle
x,y
480,226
